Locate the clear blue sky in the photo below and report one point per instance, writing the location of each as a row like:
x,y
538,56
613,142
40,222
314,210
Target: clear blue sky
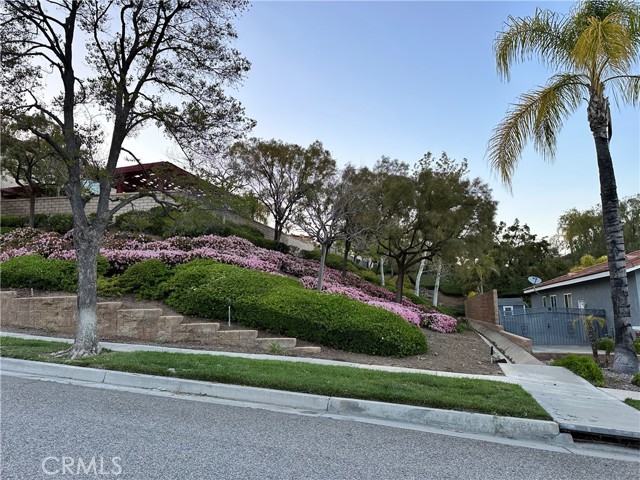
x,y
403,78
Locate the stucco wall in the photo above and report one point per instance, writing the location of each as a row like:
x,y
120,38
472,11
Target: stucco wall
x,y
52,205
483,308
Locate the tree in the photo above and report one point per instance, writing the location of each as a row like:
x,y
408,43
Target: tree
x,y
630,214
425,213
29,160
583,232
360,215
593,47
322,216
280,175
518,254
164,62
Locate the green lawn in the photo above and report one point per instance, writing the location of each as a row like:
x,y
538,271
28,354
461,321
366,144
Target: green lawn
x,y
633,403
470,395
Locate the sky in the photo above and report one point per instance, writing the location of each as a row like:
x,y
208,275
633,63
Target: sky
x,y
400,79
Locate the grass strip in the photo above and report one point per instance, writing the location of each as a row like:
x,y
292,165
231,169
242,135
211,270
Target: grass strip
x,y
462,394
634,403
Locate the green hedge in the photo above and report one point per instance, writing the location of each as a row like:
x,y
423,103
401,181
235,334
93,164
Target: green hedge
x,y
586,367
14,221
143,278
282,306
34,271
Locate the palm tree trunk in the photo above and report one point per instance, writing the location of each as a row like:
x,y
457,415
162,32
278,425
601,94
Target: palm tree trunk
x,y
625,360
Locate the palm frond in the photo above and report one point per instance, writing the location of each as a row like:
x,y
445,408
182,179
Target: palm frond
x,y
605,45
538,116
626,89
538,37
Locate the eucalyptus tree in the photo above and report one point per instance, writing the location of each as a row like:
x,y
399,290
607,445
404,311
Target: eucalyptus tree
x,y
593,50
148,62
280,174
425,213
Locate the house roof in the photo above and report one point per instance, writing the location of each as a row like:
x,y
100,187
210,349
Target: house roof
x,y
600,270
151,176
510,301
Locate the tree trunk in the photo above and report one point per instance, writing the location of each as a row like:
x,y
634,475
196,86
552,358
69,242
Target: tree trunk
x,y
625,360
323,259
436,287
347,247
87,248
399,284
420,270
382,271
277,234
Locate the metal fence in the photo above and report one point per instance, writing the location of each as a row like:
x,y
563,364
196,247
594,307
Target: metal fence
x,y
554,326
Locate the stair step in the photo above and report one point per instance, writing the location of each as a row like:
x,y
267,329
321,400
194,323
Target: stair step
x,y
283,342
240,338
171,320
204,327
306,349
204,332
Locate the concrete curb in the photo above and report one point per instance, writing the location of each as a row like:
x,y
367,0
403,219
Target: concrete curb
x,y
464,422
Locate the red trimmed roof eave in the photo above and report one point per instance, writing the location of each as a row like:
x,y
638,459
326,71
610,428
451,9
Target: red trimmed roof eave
x,y
632,260
149,166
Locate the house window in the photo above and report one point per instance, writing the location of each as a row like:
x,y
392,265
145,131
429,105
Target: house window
x,y
507,310
554,301
544,301
568,303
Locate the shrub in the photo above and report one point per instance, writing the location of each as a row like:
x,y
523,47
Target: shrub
x,y
439,322
60,223
143,278
636,343
14,221
4,230
109,287
586,367
34,271
635,380
281,305
333,320
607,344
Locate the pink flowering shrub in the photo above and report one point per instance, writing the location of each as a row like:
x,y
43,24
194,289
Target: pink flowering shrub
x,y
439,322
124,251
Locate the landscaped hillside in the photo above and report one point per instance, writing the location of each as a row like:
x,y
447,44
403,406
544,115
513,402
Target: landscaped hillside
x,y
351,314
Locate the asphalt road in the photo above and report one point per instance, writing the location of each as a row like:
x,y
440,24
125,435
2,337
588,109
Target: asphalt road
x,y
55,430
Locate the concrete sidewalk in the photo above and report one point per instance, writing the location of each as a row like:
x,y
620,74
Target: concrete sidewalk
x,y
574,403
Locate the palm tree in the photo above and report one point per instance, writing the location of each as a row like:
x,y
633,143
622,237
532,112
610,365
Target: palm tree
x,y
592,48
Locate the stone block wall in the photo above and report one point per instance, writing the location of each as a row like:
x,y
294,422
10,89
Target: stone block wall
x,y
59,314
483,308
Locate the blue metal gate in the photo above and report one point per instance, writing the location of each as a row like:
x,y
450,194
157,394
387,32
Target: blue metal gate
x,y
557,326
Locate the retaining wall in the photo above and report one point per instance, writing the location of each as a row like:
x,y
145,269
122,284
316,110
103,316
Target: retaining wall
x,y
59,314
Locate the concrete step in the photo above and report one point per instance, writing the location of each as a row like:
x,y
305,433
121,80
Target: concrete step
x,y
240,338
283,342
306,349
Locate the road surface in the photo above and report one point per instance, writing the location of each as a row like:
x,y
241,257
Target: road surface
x,y
60,430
